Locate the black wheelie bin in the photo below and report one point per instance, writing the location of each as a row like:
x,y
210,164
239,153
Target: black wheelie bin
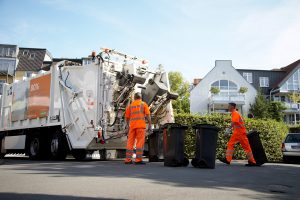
x,y
206,144
155,146
173,145
257,148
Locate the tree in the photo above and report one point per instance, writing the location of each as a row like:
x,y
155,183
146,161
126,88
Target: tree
x,y
260,107
294,96
275,110
182,88
263,109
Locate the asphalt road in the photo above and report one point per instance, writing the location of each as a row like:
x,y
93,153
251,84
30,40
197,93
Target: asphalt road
x,y
71,180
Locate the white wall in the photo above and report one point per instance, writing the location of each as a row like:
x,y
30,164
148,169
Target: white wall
x,y
223,70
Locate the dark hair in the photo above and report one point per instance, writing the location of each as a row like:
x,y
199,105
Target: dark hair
x,y
137,95
250,115
232,104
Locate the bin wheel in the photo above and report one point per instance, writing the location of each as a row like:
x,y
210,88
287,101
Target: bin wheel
x,y
153,159
186,162
195,163
103,156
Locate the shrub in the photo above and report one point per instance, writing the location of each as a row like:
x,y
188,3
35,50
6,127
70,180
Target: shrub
x,y
271,134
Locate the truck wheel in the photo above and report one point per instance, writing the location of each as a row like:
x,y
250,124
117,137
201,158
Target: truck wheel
x,y
79,154
1,154
58,147
34,150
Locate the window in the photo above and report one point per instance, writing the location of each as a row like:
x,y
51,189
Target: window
x,y
25,53
1,86
226,87
293,138
7,51
293,83
248,76
264,81
32,56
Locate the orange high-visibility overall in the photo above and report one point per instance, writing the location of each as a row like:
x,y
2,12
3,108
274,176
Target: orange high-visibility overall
x,y
136,113
239,135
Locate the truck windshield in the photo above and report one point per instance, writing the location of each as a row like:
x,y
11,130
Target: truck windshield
x,y
293,138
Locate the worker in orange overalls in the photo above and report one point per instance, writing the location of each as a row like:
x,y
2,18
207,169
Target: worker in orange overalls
x,y
239,135
136,115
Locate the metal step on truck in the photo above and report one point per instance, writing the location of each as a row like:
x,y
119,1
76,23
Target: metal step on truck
x,y
80,109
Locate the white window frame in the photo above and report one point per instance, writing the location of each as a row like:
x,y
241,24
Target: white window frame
x,y
264,82
248,76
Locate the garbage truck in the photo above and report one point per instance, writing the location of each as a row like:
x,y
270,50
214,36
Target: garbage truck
x,y
80,109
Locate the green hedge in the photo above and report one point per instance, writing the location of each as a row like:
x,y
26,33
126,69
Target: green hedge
x,y
271,134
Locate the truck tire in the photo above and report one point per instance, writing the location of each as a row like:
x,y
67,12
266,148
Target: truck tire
x,y
58,146
1,154
79,154
34,149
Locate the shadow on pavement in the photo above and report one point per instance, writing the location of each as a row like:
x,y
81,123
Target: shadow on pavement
x,y
15,196
273,181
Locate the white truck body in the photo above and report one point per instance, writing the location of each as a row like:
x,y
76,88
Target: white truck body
x,y
84,104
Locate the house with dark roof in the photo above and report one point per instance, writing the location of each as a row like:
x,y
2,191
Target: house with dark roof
x,y
228,83
31,61
8,63
277,85
274,84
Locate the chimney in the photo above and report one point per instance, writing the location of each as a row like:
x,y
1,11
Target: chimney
x,y
196,81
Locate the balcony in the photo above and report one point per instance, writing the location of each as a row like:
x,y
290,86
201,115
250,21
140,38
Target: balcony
x,y
292,107
224,99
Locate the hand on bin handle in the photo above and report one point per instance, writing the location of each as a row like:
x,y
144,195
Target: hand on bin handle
x,y
149,131
227,132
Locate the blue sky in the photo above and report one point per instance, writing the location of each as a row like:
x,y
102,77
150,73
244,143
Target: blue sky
x,y
182,35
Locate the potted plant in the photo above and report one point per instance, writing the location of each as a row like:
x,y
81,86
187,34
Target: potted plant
x,y
243,90
214,90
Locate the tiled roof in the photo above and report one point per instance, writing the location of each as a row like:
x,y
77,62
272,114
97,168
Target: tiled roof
x,y
30,59
289,70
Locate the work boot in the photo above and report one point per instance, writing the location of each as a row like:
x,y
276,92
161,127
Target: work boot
x,y
251,164
224,160
140,163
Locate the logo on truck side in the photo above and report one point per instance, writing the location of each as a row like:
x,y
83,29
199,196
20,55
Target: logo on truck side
x,y
34,87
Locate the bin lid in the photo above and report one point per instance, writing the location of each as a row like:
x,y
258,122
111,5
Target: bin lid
x,y
206,126
252,132
173,125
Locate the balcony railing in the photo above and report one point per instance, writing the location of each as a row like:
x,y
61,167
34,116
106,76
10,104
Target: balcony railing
x,y
292,106
217,98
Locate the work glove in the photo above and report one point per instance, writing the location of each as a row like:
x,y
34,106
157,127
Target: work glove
x,y
149,131
227,132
